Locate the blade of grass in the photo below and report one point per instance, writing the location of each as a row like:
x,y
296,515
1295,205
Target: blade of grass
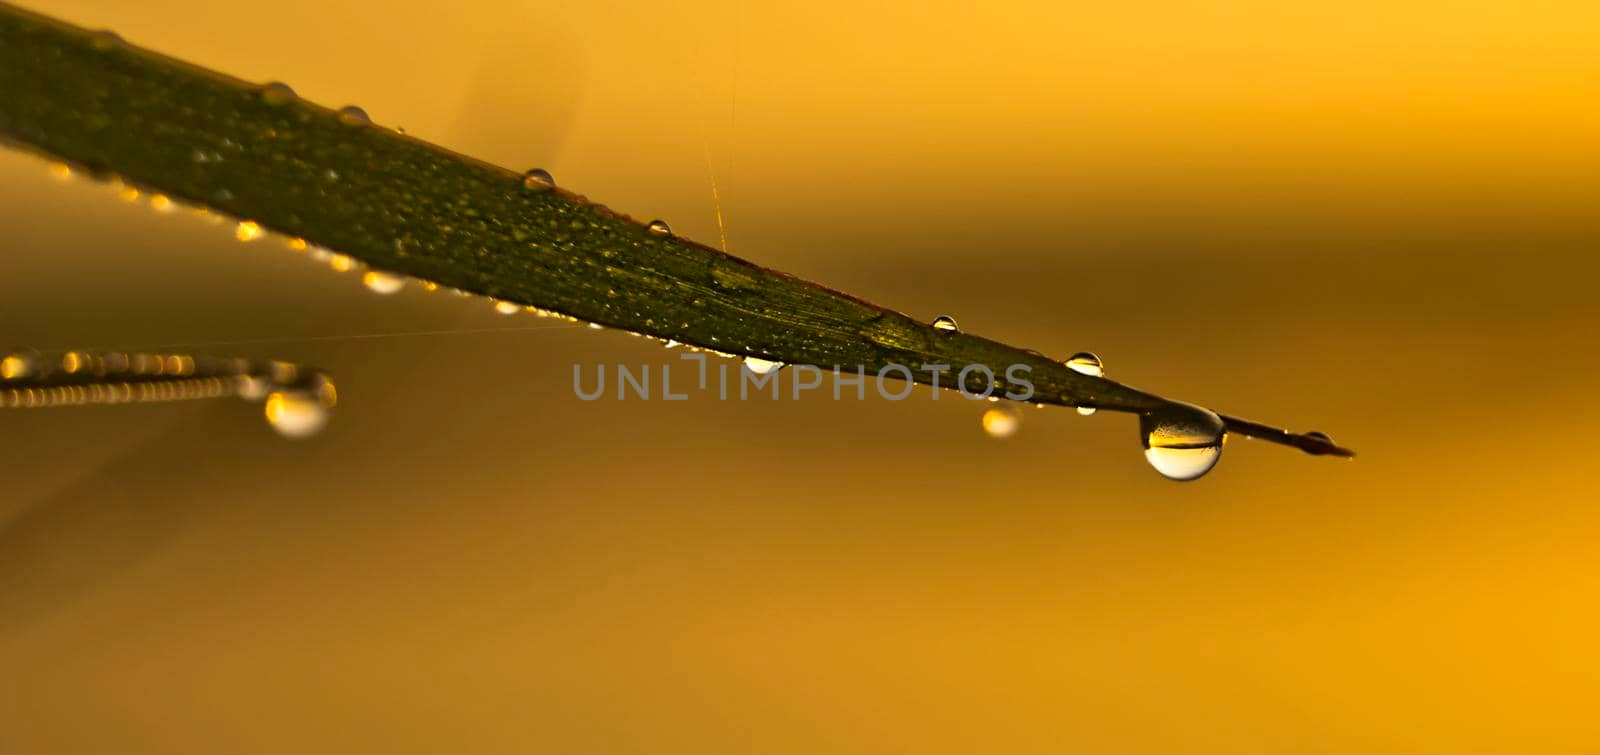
x,y
403,205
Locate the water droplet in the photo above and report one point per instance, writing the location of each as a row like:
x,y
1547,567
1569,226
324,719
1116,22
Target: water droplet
x,y
128,194
350,115
277,93
507,308
160,203
61,171
380,282
1085,363
295,414
1182,441
252,387
945,323
1002,421
247,230
18,365
1319,435
761,366
671,344
538,178
341,263
660,228
596,326
73,361
105,39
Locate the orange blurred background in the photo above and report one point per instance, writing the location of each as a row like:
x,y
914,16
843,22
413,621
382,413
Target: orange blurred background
x,y
1373,219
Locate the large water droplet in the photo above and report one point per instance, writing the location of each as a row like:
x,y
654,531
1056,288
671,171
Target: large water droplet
x,y
538,178
761,366
248,230
296,414
1319,435
1002,421
945,323
1182,441
380,282
277,93
660,228
351,115
1086,363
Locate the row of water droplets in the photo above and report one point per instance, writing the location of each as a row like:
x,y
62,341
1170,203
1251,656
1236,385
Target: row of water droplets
x,y
1181,441
296,401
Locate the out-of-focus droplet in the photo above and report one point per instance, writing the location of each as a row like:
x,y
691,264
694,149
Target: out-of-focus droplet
x,y
596,326
248,230
946,324
297,244
128,194
1002,421
341,263
350,115
507,308
19,365
161,203
671,344
72,362
319,386
380,282
60,171
538,178
283,373
761,366
252,387
660,228
295,414
277,93
1086,363
1182,441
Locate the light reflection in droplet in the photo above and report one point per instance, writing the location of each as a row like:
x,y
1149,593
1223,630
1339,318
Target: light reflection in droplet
x,y
1182,441
294,414
383,283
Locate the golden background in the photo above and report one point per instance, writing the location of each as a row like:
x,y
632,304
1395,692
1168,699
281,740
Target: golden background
x,y
1371,218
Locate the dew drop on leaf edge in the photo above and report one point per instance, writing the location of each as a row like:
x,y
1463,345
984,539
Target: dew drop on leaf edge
x,y
538,178
761,366
1182,441
1086,363
354,116
383,283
